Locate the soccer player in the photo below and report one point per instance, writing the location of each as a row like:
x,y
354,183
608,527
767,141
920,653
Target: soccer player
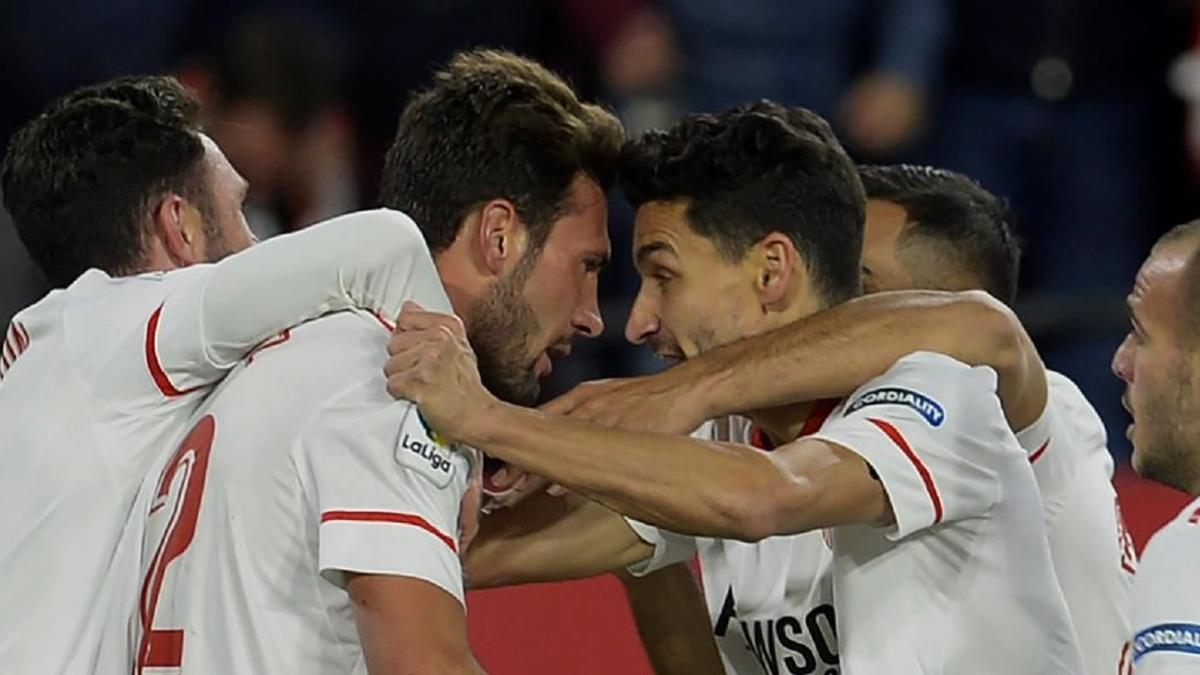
x,y
113,190
932,229
912,490
1158,361
308,522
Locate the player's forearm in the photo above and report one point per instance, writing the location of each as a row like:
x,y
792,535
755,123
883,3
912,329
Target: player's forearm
x,y
546,538
831,353
667,481
363,260
673,622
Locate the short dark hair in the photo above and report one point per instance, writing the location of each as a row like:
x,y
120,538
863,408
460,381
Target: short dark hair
x,y
495,125
756,169
80,179
968,225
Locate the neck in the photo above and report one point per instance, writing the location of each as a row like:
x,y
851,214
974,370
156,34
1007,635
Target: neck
x,y
782,424
459,279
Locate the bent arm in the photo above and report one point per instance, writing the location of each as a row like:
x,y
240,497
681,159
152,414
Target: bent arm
x,y
672,621
687,485
831,353
372,260
550,539
409,626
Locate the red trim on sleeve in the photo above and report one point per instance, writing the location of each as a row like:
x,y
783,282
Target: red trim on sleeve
x,y
390,517
22,336
896,437
380,318
155,366
1037,454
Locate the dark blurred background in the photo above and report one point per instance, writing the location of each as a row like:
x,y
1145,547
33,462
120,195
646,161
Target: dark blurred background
x,y
1077,112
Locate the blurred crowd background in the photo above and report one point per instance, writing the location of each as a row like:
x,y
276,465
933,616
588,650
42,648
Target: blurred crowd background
x,y
1079,112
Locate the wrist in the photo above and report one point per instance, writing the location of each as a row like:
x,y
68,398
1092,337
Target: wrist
x,y
704,384
482,421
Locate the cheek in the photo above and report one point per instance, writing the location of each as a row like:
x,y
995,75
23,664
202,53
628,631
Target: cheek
x,y
551,291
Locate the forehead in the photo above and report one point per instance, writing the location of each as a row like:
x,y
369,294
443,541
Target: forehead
x,y
663,225
583,226
1156,288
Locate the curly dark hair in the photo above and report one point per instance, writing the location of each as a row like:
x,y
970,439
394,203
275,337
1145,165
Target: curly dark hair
x,y
756,169
957,219
495,125
80,179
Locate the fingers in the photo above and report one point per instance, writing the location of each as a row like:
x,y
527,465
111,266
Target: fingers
x,y
581,394
415,318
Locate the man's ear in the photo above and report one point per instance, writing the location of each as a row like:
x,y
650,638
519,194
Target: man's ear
x,y
178,230
501,236
778,270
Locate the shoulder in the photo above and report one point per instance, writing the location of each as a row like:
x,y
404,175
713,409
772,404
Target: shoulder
x,y
929,384
390,220
1179,538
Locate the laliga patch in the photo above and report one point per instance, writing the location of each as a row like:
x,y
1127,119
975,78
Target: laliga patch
x,y
926,407
421,449
1172,638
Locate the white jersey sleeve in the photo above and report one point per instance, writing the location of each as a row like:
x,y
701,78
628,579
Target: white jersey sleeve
x,y
387,494
922,427
220,312
1166,602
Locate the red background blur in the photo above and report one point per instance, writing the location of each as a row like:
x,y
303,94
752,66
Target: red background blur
x,y
585,628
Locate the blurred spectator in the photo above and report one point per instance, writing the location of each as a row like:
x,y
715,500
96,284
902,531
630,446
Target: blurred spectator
x,y
270,92
867,65
1049,103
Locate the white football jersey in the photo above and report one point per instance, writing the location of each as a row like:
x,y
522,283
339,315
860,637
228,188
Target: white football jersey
x,y
1093,554
99,379
962,583
1166,600
770,602
299,469
963,492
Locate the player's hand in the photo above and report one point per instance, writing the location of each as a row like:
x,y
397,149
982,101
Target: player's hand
x,y
657,403
509,486
431,364
469,509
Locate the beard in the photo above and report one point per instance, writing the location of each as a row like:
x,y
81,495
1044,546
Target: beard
x,y
1172,437
501,327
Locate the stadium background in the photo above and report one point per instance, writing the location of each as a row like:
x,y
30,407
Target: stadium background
x,y
1079,112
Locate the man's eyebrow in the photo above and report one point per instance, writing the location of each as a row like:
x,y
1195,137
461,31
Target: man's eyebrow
x,y
646,250
1132,313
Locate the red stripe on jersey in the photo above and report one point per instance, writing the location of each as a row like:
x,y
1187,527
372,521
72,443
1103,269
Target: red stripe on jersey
x,y
390,517
896,437
7,356
12,345
379,317
1124,667
156,370
22,337
1037,454
164,649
